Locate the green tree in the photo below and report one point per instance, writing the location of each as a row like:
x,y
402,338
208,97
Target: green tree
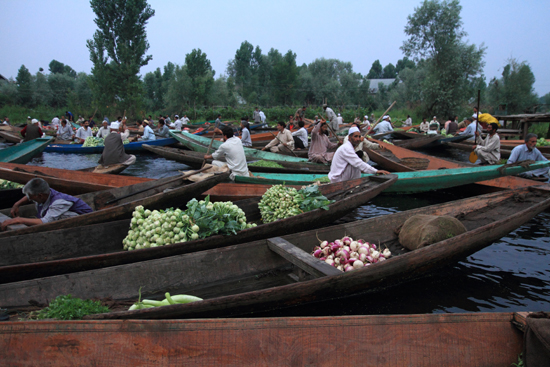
x,y
375,71
403,64
389,71
42,91
240,70
24,87
285,78
60,85
117,51
514,89
201,75
56,67
154,91
177,94
452,67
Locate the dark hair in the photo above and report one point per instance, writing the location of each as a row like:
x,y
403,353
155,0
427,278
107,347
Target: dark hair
x,y
530,136
227,131
281,123
494,125
161,122
119,117
301,123
245,124
219,115
470,119
451,118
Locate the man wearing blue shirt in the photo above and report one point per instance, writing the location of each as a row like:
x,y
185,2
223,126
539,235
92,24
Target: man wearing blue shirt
x,y
526,152
470,129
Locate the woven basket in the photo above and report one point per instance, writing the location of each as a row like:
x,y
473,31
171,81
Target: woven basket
x,y
415,163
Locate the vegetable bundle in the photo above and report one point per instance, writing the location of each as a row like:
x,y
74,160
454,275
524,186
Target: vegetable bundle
x,y
169,300
445,135
347,254
201,219
92,141
5,184
281,202
263,163
541,142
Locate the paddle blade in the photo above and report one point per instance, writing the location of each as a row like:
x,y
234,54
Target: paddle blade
x,y
473,157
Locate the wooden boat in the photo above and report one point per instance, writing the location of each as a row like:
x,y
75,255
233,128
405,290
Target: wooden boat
x,y
113,169
476,339
100,246
11,136
416,142
408,182
279,272
511,144
67,181
237,191
434,163
23,153
453,139
9,197
200,144
195,160
157,194
129,148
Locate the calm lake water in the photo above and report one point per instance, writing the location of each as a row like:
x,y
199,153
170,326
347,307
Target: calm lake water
x,y
512,274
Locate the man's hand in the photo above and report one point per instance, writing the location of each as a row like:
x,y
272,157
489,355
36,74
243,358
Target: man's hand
x,y
208,156
8,222
263,148
474,147
381,172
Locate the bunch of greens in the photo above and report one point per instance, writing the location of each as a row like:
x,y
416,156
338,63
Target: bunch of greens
x,y
4,184
201,219
263,163
541,142
281,202
70,308
92,141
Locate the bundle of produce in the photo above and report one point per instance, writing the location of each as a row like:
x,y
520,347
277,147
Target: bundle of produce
x,y
347,254
126,141
4,185
201,219
263,163
169,300
281,202
444,133
541,142
414,130
92,141
95,129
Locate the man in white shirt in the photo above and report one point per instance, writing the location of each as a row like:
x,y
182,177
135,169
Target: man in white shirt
x,y
346,164
331,118
262,116
383,126
6,121
65,131
83,132
148,133
408,121
300,136
340,120
185,119
283,142
233,152
55,122
424,126
488,149
178,124
103,130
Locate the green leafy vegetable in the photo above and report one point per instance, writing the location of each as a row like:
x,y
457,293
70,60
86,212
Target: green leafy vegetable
x,y
70,308
4,184
263,163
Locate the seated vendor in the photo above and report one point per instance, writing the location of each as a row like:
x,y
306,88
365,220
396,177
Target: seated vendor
x,y
114,152
51,205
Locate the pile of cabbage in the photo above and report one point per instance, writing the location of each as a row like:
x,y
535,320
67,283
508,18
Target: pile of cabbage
x,y
92,141
281,202
444,133
95,129
201,219
347,254
541,142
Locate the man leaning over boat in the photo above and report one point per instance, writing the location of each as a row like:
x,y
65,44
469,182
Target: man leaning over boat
x,y
232,152
51,205
346,164
529,152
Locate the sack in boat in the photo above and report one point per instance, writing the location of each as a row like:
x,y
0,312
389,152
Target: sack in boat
x,y
423,230
201,176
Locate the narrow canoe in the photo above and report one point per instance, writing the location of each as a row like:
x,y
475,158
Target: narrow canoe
x,y
190,141
11,136
195,160
267,274
511,144
387,160
157,194
129,148
502,183
100,246
476,339
67,181
23,153
408,182
417,142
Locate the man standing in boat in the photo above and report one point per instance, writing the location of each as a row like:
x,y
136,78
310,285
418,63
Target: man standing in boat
x,y
51,205
282,142
31,131
320,144
346,164
332,120
488,149
256,116
529,152
232,152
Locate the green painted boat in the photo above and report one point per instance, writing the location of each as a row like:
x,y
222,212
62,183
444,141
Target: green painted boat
x,y
408,182
23,153
200,144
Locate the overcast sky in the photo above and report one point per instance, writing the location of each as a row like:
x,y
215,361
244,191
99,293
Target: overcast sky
x,y
34,32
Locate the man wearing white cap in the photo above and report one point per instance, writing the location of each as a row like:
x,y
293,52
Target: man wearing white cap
x,y
346,164
83,132
340,120
31,131
103,130
434,127
383,126
366,122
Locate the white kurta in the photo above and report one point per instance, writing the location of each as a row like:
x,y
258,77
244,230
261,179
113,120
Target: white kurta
x,y
488,149
346,165
233,152
364,144
332,119
284,139
81,133
302,135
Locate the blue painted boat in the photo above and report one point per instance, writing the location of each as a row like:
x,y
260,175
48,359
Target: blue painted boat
x,y
129,148
23,153
407,182
200,144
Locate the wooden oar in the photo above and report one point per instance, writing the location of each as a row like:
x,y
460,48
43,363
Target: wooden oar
x,y
98,198
333,133
473,155
380,118
208,150
276,137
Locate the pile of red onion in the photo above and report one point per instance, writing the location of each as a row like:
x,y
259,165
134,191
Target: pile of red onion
x,y
347,254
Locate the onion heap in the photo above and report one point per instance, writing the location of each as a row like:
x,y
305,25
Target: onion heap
x,y
347,254
201,219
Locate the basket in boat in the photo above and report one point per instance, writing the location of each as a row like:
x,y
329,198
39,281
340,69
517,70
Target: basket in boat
x,y
415,163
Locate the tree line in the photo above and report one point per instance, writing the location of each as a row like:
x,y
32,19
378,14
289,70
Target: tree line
x,y
439,74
